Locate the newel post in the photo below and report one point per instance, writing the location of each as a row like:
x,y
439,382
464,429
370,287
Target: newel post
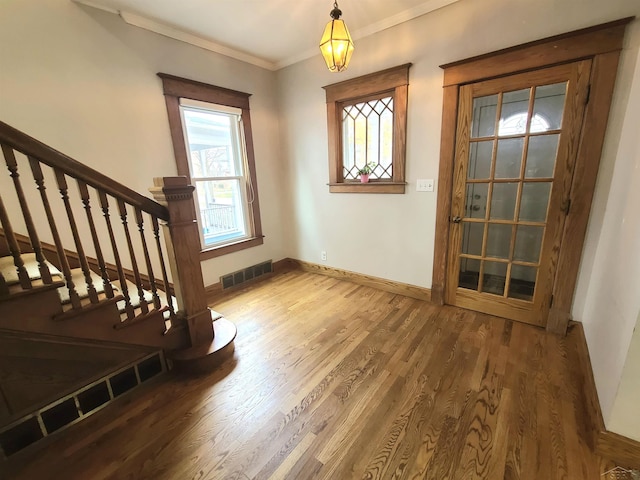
x,y
183,249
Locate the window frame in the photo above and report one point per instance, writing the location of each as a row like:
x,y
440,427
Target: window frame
x,y
175,88
393,82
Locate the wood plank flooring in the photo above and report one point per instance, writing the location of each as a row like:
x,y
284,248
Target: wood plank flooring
x,y
333,380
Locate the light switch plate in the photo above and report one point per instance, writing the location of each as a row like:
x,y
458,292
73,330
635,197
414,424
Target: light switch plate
x,y
424,185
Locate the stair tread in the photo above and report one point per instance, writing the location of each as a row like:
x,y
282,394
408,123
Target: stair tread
x,y
77,276
10,272
134,298
134,295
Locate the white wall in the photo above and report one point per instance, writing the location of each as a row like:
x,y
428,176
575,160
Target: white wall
x,y
84,82
391,236
610,287
625,419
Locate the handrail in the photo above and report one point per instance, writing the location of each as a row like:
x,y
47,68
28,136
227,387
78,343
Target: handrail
x,y
33,148
174,211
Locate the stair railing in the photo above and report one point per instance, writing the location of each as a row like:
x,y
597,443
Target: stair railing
x,y
136,265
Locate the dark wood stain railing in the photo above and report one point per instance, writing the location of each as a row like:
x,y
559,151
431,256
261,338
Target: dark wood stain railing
x,y
31,147
65,170
12,164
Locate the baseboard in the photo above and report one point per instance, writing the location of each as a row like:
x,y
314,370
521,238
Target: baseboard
x,y
405,289
592,403
622,450
214,291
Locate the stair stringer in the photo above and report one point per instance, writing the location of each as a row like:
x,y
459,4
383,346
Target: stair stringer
x,y
36,312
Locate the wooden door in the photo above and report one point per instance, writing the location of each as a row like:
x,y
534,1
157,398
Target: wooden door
x,y
516,146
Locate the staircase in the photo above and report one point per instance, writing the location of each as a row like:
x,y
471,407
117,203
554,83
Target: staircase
x,y
126,279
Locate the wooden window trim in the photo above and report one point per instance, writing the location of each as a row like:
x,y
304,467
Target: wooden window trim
x,y
392,82
602,44
175,88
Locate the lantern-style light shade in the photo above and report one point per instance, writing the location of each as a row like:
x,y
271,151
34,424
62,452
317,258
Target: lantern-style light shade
x,y
336,44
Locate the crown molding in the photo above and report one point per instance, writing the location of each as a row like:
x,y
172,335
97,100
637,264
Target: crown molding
x,y
192,39
166,30
99,6
160,28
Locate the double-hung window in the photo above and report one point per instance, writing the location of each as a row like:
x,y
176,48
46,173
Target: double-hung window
x,y
212,142
217,163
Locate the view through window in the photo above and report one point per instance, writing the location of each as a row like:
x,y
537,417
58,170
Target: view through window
x,y
367,138
217,166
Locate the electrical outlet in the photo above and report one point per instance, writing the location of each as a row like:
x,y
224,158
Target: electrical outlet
x,y
323,256
424,185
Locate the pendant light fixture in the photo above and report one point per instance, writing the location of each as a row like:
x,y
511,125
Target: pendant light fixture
x,y
336,44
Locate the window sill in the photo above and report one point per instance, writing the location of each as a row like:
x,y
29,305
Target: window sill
x,y
230,248
370,187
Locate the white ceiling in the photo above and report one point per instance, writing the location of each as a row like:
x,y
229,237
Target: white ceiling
x,y
268,33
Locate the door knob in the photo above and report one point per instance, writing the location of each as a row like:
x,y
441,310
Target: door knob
x,y
456,219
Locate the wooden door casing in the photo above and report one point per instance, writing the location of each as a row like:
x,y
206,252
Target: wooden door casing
x,y
600,43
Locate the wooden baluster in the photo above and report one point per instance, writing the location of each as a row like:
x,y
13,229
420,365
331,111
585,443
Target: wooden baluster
x,y
104,204
147,259
163,268
134,264
62,257
84,265
4,288
12,165
84,195
183,249
14,248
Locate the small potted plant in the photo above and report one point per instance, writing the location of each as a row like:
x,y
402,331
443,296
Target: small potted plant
x,y
365,171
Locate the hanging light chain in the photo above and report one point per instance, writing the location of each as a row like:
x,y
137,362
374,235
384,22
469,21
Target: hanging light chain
x,y
336,12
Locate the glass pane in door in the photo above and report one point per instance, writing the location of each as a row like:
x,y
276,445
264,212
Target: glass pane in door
x,y
548,105
514,115
503,201
541,156
476,201
528,243
483,123
472,238
480,160
523,282
535,201
494,277
498,240
469,273
509,158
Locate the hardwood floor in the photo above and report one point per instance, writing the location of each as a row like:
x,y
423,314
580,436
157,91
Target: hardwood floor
x,y
333,380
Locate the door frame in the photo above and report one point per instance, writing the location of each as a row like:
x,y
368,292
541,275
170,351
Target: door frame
x,y
602,44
